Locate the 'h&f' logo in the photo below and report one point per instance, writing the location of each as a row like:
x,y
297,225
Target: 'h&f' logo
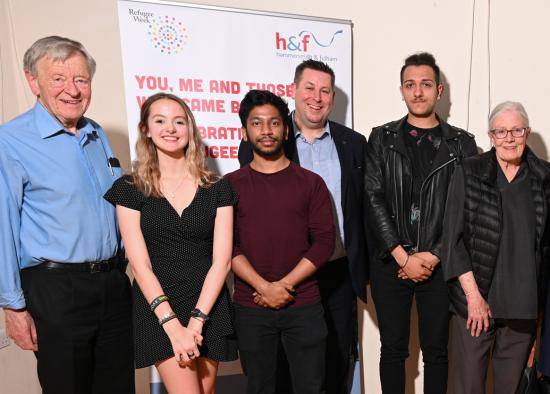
x,y
301,42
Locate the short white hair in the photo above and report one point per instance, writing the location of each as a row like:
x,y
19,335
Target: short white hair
x,y
508,106
58,49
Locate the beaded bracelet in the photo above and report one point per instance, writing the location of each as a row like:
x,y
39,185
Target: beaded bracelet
x,y
157,301
166,318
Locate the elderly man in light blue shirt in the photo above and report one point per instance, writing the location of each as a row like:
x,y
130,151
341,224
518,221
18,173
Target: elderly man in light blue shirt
x,y
63,289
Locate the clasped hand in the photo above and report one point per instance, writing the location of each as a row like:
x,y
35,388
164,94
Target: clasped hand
x,y
419,266
185,340
274,295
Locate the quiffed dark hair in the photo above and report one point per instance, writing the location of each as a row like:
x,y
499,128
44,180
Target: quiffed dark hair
x,y
314,65
256,98
421,59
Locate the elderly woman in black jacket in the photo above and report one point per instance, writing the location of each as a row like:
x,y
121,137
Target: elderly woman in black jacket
x,y
494,245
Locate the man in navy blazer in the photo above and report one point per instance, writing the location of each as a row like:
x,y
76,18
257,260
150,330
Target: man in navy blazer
x,y
337,154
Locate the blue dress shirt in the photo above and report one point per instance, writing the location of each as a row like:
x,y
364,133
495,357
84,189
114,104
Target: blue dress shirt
x,y
321,157
51,197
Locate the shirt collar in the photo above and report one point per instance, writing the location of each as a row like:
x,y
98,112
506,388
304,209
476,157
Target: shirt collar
x,y
47,125
298,133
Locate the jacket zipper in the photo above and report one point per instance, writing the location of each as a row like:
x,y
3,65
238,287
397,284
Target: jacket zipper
x,y
421,188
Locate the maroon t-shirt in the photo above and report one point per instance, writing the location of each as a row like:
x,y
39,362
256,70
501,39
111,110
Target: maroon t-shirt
x,y
281,218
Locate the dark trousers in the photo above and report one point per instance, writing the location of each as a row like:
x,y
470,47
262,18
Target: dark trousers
x,y
340,306
544,349
510,343
393,301
302,333
84,328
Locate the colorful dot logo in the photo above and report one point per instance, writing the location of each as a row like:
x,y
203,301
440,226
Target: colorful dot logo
x,y
167,34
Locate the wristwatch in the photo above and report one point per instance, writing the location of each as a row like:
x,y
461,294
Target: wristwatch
x,y
198,314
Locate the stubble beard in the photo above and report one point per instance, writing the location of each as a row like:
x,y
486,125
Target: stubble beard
x,y
268,154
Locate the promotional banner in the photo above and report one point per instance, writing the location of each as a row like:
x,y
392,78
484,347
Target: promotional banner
x,y
212,56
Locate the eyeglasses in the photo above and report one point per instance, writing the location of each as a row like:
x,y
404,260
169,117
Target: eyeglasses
x,y
516,132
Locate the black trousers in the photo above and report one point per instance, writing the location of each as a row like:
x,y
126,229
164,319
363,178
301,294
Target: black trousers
x,y
393,301
510,343
340,306
84,328
302,333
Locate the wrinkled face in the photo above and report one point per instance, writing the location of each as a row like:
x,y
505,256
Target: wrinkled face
x,y
265,130
314,98
168,127
509,149
420,91
63,88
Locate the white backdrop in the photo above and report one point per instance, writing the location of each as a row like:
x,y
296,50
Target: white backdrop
x,y
212,56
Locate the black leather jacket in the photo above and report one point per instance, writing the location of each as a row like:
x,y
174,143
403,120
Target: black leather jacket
x,y
388,184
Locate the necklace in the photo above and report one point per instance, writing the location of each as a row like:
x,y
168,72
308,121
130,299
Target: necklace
x,y
173,193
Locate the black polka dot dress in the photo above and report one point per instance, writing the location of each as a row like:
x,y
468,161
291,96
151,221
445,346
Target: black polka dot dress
x,y
180,250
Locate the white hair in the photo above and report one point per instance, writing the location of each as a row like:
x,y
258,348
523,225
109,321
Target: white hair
x,y
508,106
57,49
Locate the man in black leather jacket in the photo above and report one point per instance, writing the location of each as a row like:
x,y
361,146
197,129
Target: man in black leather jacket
x,y
408,169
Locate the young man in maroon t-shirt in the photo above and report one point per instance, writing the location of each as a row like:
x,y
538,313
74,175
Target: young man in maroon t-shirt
x,y
284,231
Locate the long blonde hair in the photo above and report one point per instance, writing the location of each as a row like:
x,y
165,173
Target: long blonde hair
x,y
145,169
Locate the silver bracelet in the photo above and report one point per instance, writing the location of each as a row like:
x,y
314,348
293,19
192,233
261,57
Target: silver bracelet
x,y
166,318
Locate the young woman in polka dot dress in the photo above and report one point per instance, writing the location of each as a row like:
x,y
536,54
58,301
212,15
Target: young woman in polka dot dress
x,y
176,221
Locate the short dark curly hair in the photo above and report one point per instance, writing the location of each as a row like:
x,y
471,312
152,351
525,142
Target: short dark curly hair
x,y
256,98
422,59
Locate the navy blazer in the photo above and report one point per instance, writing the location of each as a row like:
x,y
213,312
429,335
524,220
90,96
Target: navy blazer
x,y
351,148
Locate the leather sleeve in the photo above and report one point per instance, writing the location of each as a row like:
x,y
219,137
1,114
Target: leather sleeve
x,y
377,217
468,148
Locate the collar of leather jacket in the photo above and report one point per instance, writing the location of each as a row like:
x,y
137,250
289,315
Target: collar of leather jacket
x,y
448,132
450,137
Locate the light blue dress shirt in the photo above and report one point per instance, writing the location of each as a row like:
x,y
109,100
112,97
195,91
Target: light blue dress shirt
x,y
321,157
51,197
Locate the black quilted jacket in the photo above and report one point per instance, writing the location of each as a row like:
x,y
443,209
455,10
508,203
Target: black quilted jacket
x,y
480,236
